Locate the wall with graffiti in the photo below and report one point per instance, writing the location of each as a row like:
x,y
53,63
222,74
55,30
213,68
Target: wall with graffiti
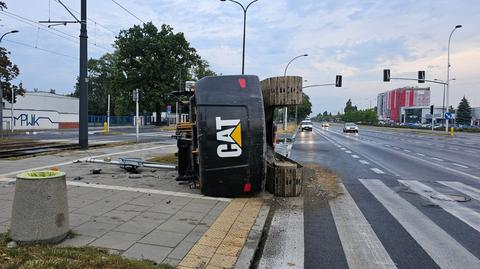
x,y
41,110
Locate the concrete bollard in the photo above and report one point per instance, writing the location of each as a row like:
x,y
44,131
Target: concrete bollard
x,y
40,208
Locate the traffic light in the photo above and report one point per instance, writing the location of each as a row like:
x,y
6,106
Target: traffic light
x,y
386,75
421,76
338,81
431,110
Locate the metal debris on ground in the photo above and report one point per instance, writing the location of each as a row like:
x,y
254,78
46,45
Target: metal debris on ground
x,y
132,164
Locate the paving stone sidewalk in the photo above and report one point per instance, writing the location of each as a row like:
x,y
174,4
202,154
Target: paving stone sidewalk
x,y
144,216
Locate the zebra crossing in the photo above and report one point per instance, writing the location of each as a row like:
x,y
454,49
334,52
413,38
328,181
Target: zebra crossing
x,y
362,247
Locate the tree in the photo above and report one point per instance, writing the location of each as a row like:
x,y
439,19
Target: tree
x,y
349,107
154,61
464,112
8,72
202,69
303,110
101,83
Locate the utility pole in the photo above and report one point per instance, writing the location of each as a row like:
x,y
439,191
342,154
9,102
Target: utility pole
x,y
83,117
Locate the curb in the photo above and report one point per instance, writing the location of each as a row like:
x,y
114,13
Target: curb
x,y
247,254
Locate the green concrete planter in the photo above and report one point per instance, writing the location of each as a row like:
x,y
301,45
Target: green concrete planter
x,y
40,208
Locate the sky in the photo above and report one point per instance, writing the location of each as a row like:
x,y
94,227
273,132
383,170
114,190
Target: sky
x,y
357,39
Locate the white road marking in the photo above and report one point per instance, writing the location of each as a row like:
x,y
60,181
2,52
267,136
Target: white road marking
x,y
354,156
463,188
84,159
396,147
284,248
363,161
406,150
361,245
437,159
343,148
142,190
459,165
444,250
376,170
465,214
420,154
348,151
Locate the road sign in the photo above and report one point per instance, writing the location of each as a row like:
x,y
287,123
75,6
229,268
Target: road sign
x,y
448,116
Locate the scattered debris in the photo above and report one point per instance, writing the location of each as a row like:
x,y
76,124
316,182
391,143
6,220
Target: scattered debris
x,y
77,161
77,178
96,171
168,202
135,176
12,244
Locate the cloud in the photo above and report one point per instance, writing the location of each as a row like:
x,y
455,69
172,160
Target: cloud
x,y
354,38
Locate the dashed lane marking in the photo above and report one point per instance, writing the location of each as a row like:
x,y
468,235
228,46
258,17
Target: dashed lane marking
x,y
406,150
348,151
376,170
364,162
437,159
459,165
355,156
420,154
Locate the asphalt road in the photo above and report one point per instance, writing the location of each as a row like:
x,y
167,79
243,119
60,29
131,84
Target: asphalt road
x,y
397,210
96,135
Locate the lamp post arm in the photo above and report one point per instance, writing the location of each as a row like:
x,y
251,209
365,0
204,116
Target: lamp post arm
x,y
426,80
286,67
240,4
250,5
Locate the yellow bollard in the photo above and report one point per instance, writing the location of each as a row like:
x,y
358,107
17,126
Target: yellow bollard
x,y
452,132
105,128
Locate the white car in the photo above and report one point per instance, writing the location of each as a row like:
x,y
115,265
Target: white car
x,y
325,124
350,127
306,125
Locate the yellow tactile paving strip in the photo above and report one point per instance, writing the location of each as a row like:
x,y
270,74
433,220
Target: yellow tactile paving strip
x,y
221,245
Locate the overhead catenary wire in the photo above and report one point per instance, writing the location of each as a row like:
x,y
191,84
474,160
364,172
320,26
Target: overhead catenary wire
x,y
44,50
128,11
94,21
53,31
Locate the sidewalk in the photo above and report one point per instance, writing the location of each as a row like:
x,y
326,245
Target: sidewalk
x,y
147,215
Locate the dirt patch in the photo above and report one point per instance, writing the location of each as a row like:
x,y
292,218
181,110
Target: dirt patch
x,y
164,158
322,181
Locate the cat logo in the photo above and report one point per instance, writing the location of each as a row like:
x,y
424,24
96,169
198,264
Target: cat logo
x,y
230,139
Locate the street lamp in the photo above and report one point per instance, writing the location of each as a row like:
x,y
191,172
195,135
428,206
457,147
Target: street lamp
x,y
448,72
285,111
1,91
245,9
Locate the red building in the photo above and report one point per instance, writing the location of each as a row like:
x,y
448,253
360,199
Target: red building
x,y
390,103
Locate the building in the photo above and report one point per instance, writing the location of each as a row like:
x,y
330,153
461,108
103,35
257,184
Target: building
x,y
421,114
41,110
476,116
390,103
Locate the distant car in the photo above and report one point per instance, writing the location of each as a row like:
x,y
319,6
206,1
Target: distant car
x,y
350,127
306,125
325,124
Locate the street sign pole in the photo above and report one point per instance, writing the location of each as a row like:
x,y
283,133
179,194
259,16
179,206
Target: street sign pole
x,y
11,111
137,118
1,108
108,114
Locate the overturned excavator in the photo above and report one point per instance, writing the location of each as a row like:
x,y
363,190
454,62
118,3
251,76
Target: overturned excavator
x,y
227,146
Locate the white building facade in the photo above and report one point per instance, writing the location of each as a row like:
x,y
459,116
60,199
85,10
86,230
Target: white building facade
x,y
41,110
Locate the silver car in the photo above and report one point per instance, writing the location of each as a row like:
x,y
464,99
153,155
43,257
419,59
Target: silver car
x,y
350,127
